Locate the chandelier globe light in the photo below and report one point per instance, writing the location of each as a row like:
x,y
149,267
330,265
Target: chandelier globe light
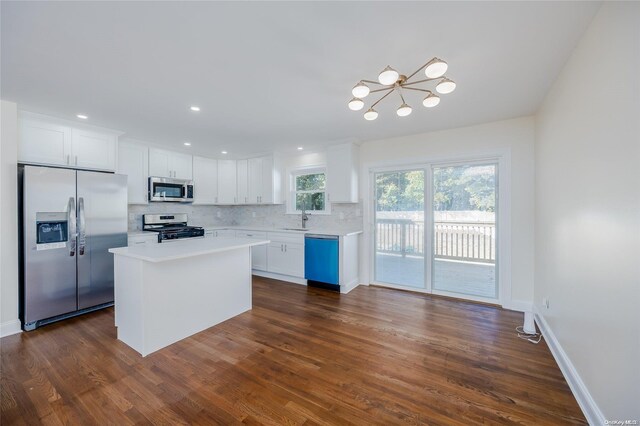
x,y
356,104
436,68
371,114
360,90
403,110
446,86
391,81
388,76
431,100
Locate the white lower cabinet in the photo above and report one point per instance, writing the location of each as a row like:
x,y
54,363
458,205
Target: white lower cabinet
x,y
285,254
258,253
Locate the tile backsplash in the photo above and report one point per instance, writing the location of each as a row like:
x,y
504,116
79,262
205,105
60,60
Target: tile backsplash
x,y
342,215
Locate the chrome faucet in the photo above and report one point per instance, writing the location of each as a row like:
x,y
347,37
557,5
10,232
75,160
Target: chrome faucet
x,y
304,217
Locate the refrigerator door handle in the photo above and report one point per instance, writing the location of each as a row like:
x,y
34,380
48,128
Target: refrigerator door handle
x,y
82,235
71,217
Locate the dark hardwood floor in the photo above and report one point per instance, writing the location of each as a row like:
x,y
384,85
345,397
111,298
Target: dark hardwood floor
x,y
301,356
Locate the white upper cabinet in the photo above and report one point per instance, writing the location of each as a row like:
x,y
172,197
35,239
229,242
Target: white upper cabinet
x,y
182,165
270,182
342,173
264,181
205,180
170,164
242,181
254,176
133,161
93,150
43,142
57,142
227,182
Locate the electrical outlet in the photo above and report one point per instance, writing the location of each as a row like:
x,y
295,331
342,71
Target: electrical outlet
x,y
132,216
219,215
253,214
545,302
341,216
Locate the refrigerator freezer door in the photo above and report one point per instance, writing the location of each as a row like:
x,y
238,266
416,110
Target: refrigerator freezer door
x,y
49,240
102,224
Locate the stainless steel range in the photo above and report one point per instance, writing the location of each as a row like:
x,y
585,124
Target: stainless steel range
x,y
170,226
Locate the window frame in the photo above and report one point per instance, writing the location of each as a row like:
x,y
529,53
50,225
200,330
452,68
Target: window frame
x,y
291,199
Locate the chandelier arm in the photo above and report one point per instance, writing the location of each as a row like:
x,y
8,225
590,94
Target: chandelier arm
x,y
401,97
425,80
374,82
378,101
415,88
381,90
420,69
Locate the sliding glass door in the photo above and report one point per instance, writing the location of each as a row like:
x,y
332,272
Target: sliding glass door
x,y
399,228
435,229
464,230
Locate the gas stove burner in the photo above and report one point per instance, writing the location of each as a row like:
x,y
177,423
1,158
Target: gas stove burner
x,y
170,226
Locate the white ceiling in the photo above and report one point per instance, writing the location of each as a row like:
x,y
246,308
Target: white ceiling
x,y
277,75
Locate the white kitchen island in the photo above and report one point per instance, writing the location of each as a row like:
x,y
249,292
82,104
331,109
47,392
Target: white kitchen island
x,y
167,292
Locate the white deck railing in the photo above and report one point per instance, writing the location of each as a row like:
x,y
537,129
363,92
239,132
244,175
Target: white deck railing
x,y
467,241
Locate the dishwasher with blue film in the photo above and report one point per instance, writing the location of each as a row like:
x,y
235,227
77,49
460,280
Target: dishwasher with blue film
x,y
321,261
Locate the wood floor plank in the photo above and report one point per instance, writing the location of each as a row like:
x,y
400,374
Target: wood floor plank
x,y
301,356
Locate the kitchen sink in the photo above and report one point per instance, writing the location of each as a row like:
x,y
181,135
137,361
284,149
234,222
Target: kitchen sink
x,y
295,229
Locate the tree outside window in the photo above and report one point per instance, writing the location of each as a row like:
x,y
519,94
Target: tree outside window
x,y
310,190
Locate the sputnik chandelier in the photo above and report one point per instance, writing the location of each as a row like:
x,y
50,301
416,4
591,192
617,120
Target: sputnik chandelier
x,y
392,81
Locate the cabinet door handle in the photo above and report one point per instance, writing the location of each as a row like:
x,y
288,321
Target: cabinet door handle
x,y
285,248
245,200
76,160
67,158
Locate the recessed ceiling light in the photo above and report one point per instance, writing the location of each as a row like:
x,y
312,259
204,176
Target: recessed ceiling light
x,y
224,152
195,108
82,116
299,148
187,144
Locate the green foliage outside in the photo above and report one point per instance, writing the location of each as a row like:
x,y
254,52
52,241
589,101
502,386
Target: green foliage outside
x,y
307,195
460,188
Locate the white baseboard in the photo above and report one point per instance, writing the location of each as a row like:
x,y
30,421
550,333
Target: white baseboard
x,y
287,278
344,289
586,402
518,305
8,328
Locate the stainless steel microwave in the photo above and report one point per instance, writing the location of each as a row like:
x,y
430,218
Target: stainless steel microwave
x,y
167,189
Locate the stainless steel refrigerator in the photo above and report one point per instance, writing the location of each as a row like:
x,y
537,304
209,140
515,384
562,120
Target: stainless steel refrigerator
x,y
68,219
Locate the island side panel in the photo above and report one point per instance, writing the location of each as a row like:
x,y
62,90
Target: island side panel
x,y
185,296
128,301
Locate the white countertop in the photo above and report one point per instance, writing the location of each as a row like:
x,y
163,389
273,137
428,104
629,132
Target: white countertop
x,y
182,249
342,232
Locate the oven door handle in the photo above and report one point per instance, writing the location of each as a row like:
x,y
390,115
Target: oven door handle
x,y
71,218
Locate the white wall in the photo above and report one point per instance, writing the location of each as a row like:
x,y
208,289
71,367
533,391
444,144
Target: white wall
x,y
9,322
588,210
515,136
